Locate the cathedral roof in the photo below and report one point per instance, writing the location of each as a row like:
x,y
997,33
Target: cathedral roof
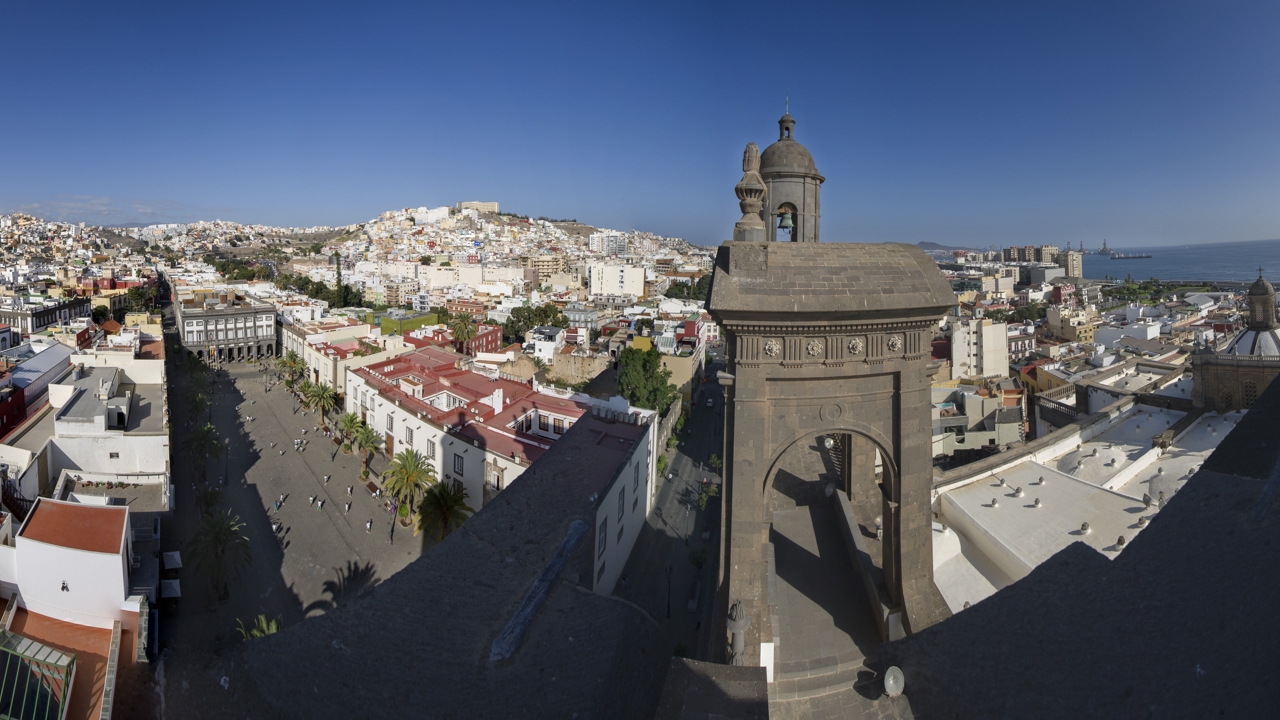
x,y
1261,287
1256,343
786,155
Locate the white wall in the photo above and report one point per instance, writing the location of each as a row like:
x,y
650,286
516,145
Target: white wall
x,y
137,454
96,583
632,484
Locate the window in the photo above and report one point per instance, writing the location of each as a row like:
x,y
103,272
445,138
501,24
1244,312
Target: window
x,y
391,422
622,502
559,425
600,573
114,456
543,423
431,449
603,537
457,464
408,436
1250,393
635,484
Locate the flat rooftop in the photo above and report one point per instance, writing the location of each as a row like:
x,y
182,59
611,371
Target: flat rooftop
x,y
1131,380
141,493
91,528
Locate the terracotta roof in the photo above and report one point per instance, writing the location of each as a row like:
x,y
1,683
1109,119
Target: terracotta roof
x,y
92,528
111,327
90,645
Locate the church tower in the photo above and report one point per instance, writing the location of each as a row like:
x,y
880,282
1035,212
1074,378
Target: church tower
x,y
793,187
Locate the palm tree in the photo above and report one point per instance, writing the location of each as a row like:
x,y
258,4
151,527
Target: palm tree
x,y
323,399
208,497
408,478
219,550
203,443
366,441
347,426
197,403
262,627
463,328
292,363
444,508
302,394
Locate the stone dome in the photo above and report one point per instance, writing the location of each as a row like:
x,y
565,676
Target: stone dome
x,y
1261,287
786,155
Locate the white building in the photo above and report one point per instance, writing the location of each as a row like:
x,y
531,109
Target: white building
x,y
979,348
545,343
616,280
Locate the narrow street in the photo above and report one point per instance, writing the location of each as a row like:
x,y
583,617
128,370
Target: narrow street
x,y
661,571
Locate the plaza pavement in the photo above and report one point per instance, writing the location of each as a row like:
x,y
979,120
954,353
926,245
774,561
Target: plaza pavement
x,y
326,557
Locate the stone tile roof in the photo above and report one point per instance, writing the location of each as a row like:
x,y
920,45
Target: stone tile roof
x,y
826,278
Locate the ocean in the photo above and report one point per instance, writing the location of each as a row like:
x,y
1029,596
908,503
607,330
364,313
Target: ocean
x,y
1231,261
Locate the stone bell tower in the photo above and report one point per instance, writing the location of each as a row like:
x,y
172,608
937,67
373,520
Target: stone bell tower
x,y
793,186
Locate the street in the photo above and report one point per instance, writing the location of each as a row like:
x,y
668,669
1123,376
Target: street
x,y
661,568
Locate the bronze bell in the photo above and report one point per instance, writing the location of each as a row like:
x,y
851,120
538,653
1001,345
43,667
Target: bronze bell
x,y
784,221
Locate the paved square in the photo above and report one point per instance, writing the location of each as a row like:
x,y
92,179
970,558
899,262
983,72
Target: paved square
x,y
326,558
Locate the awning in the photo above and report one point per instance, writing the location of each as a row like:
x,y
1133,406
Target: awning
x,y
172,560
170,589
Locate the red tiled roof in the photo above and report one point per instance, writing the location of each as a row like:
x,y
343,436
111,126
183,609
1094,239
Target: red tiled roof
x,y
92,528
90,645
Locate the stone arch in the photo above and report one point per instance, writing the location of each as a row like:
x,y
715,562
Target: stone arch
x,y
847,428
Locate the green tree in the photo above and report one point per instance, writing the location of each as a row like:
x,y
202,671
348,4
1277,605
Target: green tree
x,y
101,313
204,444
290,362
643,381
207,497
366,442
462,328
408,478
219,550
524,319
197,403
443,509
715,462
347,426
323,399
709,490
262,627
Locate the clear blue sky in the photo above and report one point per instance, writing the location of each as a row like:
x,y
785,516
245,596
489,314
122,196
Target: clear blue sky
x,y
959,123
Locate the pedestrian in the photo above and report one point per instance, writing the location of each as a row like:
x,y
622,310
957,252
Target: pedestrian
x,y
281,498
350,488
368,527
326,479
277,504
320,505
348,508
311,500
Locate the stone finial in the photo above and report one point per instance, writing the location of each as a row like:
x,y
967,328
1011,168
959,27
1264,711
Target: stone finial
x,y
750,191
1084,528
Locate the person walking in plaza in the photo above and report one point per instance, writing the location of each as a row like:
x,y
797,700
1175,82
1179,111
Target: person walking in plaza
x,y
347,509
350,488
320,505
281,498
368,526
311,500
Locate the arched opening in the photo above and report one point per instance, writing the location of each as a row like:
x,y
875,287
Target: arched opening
x,y
1227,401
787,213
824,612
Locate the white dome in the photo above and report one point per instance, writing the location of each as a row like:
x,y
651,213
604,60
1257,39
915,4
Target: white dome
x,y
1255,343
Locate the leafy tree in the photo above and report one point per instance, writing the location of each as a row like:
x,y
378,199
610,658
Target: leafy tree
x,y
643,381
291,362
715,462
524,319
262,627
709,490
204,444
463,329
366,441
408,478
323,399
348,424
207,497
219,550
443,509
197,403
100,314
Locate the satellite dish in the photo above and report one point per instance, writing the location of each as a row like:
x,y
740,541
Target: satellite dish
x,y
893,681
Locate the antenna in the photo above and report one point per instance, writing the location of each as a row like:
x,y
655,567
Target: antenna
x,y
787,100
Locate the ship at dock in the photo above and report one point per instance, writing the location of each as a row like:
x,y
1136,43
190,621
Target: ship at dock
x,y
1131,256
